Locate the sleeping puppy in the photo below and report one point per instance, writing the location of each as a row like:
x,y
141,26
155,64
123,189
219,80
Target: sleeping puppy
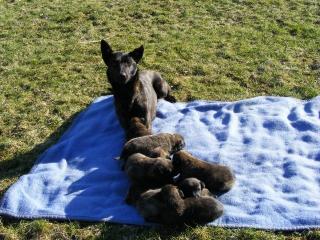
x,y
135,93
217,178
163,205
143,169
149,205
146,173
158,145
201,210
193,187
137,128
167,206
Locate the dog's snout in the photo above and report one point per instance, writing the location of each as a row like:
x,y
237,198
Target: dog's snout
x,y
124,74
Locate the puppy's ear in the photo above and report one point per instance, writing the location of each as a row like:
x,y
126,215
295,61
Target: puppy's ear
x,y
106,52
137,54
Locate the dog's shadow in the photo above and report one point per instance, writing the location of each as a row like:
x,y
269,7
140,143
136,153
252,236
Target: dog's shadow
x,y
21,163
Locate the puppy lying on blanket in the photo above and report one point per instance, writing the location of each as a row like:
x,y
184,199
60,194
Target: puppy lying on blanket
x,y
146,173
217,178
167,206
190,187
193,187
135,93
143,169
158,145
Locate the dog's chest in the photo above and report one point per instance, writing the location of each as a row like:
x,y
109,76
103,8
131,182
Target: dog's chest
x,y
131,104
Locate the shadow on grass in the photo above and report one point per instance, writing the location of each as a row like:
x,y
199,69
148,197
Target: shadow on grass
x,y
21,163
112,231
116,231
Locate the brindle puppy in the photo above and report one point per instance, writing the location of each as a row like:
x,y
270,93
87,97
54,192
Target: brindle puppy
x,y
163,205
217,178
143,169
191,187
156,145
137,128
146,173
167,206
135,93
201,210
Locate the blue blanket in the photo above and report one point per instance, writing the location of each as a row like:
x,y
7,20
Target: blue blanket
x,y
272,143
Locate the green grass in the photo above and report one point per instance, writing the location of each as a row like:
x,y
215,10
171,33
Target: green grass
x,y
50,69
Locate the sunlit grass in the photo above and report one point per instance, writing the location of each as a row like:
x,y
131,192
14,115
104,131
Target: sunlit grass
x,y
50,69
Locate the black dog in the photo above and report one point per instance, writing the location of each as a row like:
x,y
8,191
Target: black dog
x,y
135,93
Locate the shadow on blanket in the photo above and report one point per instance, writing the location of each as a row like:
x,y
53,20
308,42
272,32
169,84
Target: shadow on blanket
x,y
21,163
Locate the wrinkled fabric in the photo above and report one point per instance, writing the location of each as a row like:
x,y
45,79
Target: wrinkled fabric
x,y
271,143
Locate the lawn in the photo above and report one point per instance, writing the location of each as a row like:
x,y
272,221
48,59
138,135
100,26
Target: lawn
x,y
51,69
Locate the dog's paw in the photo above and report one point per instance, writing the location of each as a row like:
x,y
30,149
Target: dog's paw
x,y
170,98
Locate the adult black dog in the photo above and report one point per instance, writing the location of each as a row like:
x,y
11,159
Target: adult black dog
x,y
135,93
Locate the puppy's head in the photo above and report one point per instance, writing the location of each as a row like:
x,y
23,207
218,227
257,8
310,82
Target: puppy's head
x,y
178,142
191,187
122,67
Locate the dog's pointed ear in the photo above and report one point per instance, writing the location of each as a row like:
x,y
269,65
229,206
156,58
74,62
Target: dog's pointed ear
x,y
106,52
137,53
